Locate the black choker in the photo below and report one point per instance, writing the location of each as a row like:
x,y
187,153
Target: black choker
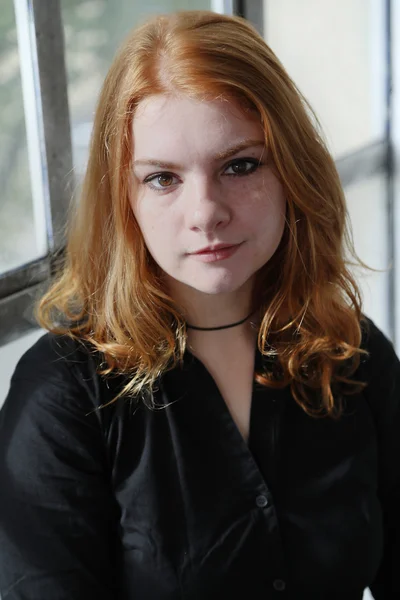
x,y
188,326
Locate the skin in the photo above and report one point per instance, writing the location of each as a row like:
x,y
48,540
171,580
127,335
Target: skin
x,y
199,201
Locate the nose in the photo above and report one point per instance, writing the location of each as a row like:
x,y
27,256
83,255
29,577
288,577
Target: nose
x,y
207,209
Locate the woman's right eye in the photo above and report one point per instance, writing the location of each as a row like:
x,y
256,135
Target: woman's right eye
x,y
164,181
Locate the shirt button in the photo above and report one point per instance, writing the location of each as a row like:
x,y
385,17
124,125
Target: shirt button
x,y
261,501
279,585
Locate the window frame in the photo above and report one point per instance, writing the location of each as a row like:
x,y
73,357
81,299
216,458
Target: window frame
x,y
50,151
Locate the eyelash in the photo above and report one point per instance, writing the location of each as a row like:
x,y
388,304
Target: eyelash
x,y
256,164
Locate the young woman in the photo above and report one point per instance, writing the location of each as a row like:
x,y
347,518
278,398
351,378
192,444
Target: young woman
x,y
210,414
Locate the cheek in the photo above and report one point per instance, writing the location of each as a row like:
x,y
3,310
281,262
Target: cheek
x,y
151,230
264,211
145,223
157,230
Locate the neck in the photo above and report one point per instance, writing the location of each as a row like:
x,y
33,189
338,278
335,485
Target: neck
x,y
219,343
213,312
209,311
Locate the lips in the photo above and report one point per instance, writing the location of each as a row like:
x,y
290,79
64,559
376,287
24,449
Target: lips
x,y
214,248
215,253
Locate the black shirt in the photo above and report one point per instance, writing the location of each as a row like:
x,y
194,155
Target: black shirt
x,y
132,504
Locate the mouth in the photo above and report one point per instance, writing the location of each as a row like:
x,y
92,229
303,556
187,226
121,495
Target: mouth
x,y
215,248
215,253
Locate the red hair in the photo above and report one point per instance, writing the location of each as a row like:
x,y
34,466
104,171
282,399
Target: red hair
x,y
108,292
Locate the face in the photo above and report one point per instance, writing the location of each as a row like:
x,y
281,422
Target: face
x,y
208,204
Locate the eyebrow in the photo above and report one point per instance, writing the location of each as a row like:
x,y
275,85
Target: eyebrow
x,y
219,156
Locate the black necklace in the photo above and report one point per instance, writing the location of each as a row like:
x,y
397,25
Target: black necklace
x,y
188,326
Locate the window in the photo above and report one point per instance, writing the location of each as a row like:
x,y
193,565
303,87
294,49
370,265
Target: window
x,y
335,52
45,119
366,201
22,232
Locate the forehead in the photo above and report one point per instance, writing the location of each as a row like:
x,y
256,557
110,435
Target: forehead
x,y
165,122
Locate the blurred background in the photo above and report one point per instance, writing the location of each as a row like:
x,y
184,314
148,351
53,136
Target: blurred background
x,y
54,55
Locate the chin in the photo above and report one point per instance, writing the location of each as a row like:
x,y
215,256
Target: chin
x,y
226,286
227,282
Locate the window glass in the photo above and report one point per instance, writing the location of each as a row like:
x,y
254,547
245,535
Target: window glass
x,y
335,52
366,201
94,29
19,242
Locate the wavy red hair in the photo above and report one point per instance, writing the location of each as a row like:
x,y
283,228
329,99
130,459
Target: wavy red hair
x,y
108,292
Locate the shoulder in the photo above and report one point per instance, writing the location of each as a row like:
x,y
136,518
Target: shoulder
x,y
380,370
57,375
54,357
381,353
52,435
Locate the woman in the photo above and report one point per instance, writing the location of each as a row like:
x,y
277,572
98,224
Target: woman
x,y
211,414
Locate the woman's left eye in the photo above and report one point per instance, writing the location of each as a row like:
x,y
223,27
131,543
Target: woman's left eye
x,y
242,166
161,181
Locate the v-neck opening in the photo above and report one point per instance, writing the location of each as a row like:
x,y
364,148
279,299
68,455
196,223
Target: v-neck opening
x,y
190,358
267,406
